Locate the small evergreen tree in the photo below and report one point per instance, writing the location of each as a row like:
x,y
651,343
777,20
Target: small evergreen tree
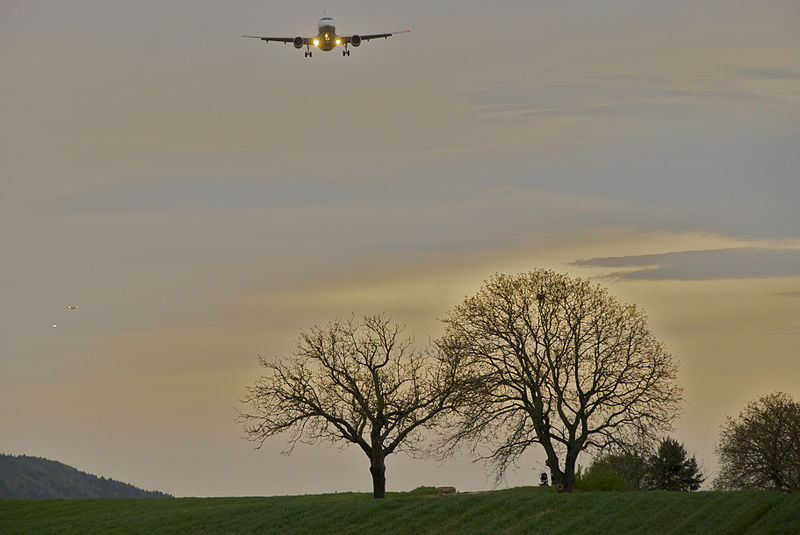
x,y
671,470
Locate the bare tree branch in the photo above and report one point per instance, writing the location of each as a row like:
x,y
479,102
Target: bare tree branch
x,y
761,448
352,381
555,361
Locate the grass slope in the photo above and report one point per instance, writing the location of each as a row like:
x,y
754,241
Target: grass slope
x,y
520,510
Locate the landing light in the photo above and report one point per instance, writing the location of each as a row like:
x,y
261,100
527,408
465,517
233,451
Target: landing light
x,y
316,42
338,41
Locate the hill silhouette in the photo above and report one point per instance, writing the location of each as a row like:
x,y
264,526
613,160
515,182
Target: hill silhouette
x,y
34,477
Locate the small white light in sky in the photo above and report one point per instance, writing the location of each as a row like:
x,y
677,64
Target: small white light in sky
x,y
53,325
72,307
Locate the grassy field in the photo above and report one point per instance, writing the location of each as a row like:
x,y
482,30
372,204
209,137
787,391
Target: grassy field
x,y
520,510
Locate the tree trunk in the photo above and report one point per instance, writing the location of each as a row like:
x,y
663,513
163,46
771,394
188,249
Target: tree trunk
x,y
378,470
569,471
564,481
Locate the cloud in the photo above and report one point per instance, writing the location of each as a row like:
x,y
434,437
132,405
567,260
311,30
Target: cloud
x,y
604,96
733,263
786,331
790,294
767,73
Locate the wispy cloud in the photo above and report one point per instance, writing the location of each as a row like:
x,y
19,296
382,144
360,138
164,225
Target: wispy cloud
x,y
790,294
607,96
767,73
733,263
786,331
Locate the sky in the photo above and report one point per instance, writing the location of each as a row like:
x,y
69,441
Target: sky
x,y
203,198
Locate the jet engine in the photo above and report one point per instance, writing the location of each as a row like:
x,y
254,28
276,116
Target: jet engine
x,y
355,40
298,42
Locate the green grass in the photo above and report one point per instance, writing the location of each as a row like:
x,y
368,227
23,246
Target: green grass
x,y
519,510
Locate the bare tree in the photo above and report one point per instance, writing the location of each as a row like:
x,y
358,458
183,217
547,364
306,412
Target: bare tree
x,y
761,448
355,382
558,362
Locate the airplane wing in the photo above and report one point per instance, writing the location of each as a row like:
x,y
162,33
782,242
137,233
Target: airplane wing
x,y
349,38
306,40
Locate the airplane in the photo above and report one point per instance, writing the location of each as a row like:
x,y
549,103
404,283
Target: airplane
x,y
72,307
326,38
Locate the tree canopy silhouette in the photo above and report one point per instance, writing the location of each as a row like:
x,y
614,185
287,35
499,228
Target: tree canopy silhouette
x,y
352,381
761,447
556,361
670,469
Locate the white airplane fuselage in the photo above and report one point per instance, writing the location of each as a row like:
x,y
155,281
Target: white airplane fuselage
x,y
326,38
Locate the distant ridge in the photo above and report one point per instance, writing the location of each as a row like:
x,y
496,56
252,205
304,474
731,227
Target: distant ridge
x,y
22,476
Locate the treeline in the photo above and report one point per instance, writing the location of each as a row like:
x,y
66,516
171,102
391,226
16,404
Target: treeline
x,y
34,477
533,359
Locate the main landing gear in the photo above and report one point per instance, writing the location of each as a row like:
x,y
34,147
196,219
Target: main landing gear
x,y
308,51
345,52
